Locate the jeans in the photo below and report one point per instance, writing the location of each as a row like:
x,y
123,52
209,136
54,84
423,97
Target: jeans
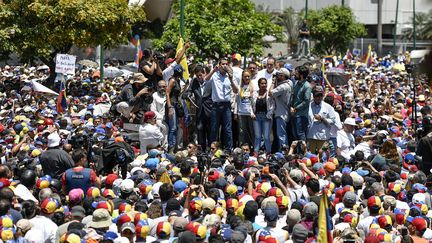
x,y
303,48
221,115
300,125
172,130
332,147
262,127
281,132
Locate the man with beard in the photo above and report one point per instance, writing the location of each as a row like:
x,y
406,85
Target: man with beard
x,y
281,94
132,98
201,92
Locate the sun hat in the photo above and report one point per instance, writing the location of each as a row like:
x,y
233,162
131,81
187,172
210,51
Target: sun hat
x,y
101,219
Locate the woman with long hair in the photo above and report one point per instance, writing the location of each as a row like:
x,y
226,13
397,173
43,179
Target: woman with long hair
x,y
173,107
243,109
262,107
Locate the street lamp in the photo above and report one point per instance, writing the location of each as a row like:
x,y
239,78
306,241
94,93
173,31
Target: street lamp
x,y
414,26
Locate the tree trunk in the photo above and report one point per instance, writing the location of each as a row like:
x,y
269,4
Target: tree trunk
x,y
51,64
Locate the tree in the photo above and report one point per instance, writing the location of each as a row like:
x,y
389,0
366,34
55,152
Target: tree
x,y
334,28
43,28
290,20
220,27
423,26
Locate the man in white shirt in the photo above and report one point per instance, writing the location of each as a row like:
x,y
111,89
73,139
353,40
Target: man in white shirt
x,y
321,118
237,71
266,73
158,106
149,133
345,138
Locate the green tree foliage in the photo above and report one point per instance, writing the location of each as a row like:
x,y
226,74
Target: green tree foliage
x,y
423,27
334,28
220,27
291,21
43,28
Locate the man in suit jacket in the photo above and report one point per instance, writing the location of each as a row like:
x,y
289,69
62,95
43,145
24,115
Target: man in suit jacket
x,y
201,92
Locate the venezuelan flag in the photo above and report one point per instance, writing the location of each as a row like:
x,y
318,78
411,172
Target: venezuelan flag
x,y
324,221
139,53
183,61
61,99
368,59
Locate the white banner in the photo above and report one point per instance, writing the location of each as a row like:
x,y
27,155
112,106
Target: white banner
x,y
65,64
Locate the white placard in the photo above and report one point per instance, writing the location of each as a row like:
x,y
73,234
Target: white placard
x,y
65,64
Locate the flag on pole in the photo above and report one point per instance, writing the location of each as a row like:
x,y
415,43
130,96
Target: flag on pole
x,y
322,74
61,99
324,221
139,53
348,55
368,59
183,61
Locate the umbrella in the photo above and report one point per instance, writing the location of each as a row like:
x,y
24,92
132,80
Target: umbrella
x,y
112,72
88,63
337,78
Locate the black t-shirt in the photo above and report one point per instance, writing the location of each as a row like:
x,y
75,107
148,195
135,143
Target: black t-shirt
x,y
304,28
152,78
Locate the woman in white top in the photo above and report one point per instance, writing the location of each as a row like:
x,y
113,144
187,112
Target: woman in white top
x,y
243,109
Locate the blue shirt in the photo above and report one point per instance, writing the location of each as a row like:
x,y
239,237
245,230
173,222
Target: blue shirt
x,y
221,87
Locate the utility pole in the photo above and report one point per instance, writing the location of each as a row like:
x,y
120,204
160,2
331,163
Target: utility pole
x,y
395,27
343,3
379,28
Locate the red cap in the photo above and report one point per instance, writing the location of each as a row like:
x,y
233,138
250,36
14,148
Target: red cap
x,y
419,223
48,121
149,115
110,179
1,128
169,61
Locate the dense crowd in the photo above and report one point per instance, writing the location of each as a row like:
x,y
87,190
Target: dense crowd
x,y
237,152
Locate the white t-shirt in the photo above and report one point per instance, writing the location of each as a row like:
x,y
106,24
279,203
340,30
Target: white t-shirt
x,y
263,74
364,224
346,143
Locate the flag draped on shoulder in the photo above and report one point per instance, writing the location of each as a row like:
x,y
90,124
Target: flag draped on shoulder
x,y
183,60
61,99
324,221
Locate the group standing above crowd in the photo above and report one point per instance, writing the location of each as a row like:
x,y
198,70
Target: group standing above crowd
x,y
237,152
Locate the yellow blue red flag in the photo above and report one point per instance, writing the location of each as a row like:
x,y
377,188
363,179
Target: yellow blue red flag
x,y
325,225
183,61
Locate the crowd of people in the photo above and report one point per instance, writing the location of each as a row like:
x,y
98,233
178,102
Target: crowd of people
x,y
239,152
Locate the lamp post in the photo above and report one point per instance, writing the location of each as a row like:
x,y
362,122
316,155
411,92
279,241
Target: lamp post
x,y
414,26
306,9
395,27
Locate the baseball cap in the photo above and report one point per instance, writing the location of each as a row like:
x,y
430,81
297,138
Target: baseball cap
x,y
208,203
128,226
76,195
271,212
78,211
419,223
149,115
127,186
350,121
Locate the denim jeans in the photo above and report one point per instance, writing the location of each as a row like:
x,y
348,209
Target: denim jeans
x,y
281,132
221,115
262,128
300,125
303,49
332,147
172,130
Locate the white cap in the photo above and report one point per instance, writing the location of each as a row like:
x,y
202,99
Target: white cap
x,y
53,140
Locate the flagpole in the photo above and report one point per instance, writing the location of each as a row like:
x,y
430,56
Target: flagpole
x,y
182,6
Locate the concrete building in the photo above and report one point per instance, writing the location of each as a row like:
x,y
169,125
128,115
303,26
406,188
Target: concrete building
x,y
364,10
